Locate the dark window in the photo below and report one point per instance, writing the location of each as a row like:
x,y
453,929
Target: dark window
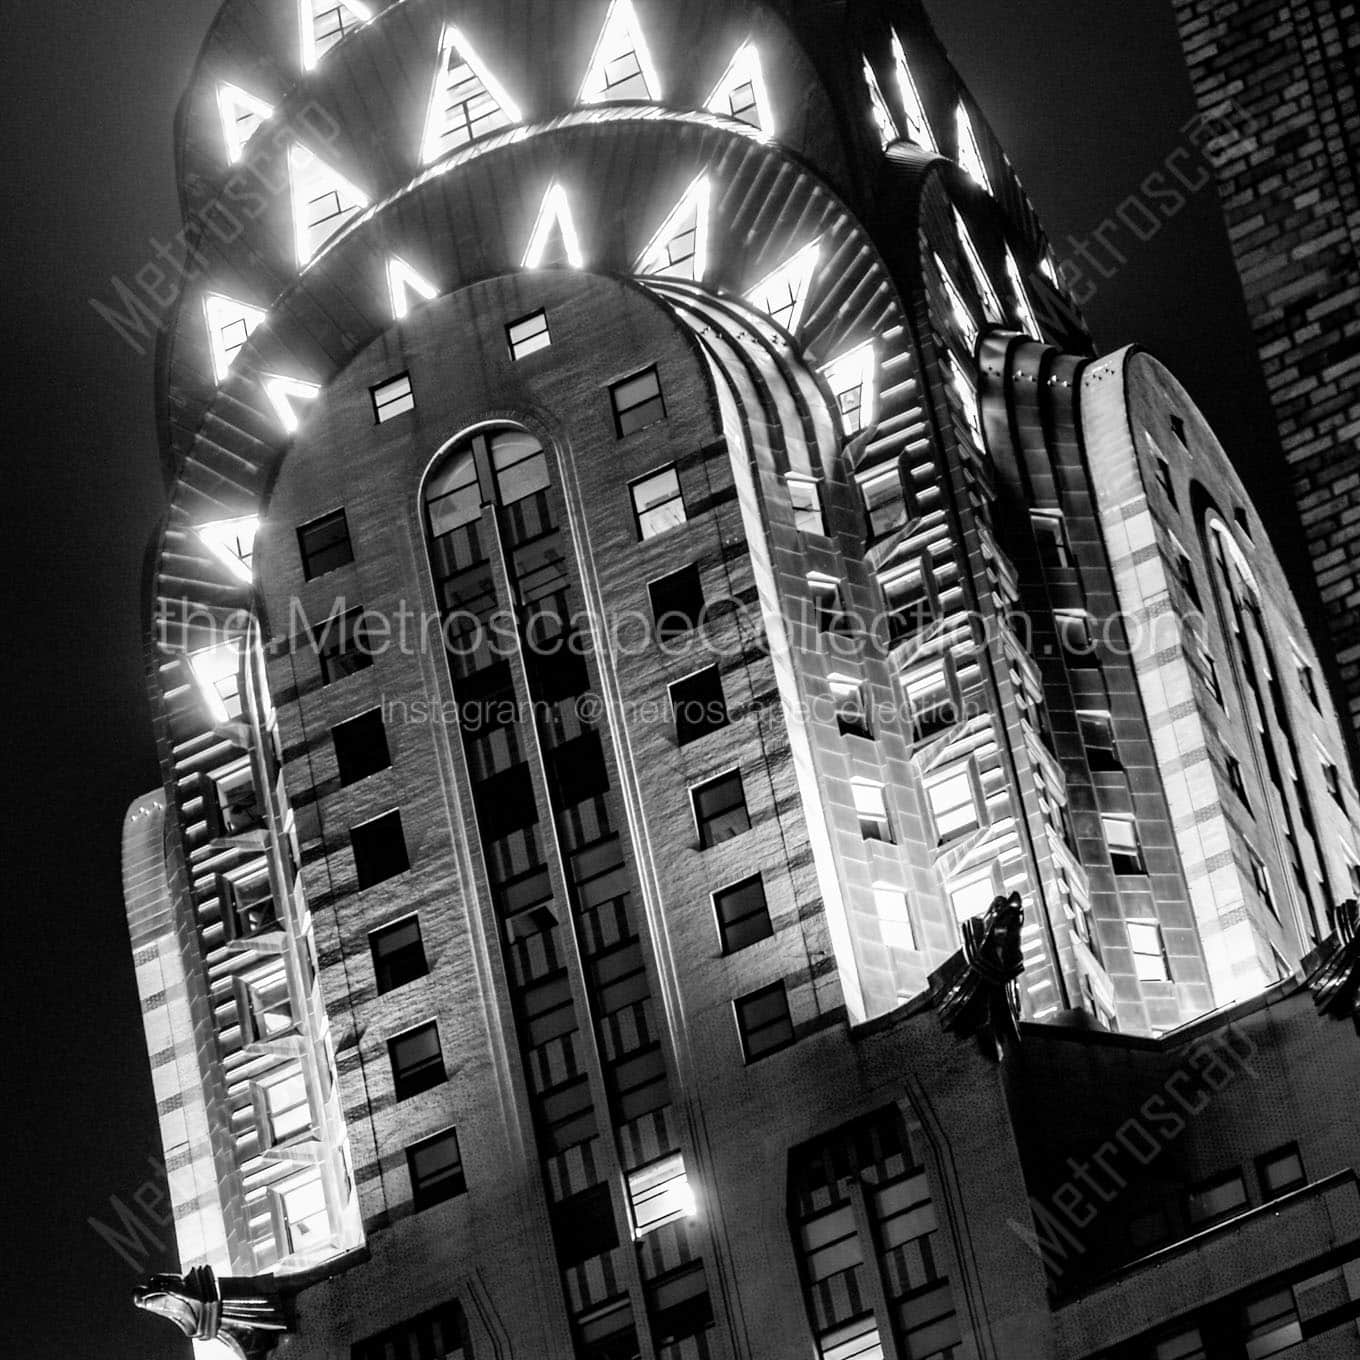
x,y
342,646
1178,428
1331,775
248,902
325,544
852,709
361,746
569,1115
1097,732
677,602
1236,778
392,398
1077,639
658,504
440,1334
1213,1200
1307,679
1185,569
720,809
743,914
640,1085
1243,523
583,1226
763,1021
398,954
1166,481
698,705
577,771
805,495
1281,1171
637,402
1126,851
417,1060
679,1304
505,802
528,335
436,1168
619,978
608,1332
1055,551
379,849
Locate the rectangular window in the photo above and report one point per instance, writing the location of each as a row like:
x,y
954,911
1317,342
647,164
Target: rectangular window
x,y
1187,1345
894,919
568,1114
417,1060
679,1304
392,398
677,603
974,896
398,954
720,809
235,808
640,1086
436,1168
342,646
831,1245
1121,837
698,705
325,544
743,914
379,849
872,811
953,804
361,746
1077,639
852,709
1281,1171
608,1331
285,1108
659,1193
584,1226
1097,732
1055,551
1260,876
302,1212
826,597
266,1003
658,504
1217,1198
885,508
248,907
637,402
1150,963
805,495
528,335
1271,1325
763,1021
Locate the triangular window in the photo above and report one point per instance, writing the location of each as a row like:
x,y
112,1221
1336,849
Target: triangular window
x,y
467,102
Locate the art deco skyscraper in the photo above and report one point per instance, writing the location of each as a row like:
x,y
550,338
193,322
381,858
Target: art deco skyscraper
x,y
651,559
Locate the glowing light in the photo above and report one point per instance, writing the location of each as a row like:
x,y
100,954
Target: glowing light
x,y
853,379
1049,269
621,66
878,106
1022,304
680,247
241,114
323,201
232,542
402,283
991,303
319,38
283,392
918,124
784,293
217,672
467,101
963,314
554,214
741,92
969,151
229,326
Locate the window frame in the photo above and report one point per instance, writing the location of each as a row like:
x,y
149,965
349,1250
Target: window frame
x,y
365,878
645,535
522,348
308,572
354,774
623,426
383,964
382,403
415,1079
733,932
701,824
690,732
742,1004
421,1198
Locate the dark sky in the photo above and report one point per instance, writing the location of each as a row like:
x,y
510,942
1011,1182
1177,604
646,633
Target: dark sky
x,y
90,92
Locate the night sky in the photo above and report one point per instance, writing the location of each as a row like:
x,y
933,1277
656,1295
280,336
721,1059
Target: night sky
x,y
90,93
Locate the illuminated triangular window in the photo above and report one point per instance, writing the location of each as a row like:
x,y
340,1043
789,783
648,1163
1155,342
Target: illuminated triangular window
x,y
1049,268
217,673
229,326
241,114
284,394
784,293
1023,309
991,303
962,312
878,106
554,240
853,379
966,395
741,92
404,285
467,102
918,124
323,202
680,248
232,542
621,67
970,152
324,22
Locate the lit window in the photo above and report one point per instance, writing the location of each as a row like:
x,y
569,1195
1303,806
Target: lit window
x,y
805,495
637,402
982,280
885,508
241,115
965,393
436,1167
1023,307
325,23
324,201
961,311
230,324
1271,1325
528,335
969,151
953,803
657,503
302,1214
404,284
232,542
973,896
853,379
379,849
248,907
467,101
680,247
783,294
342,646
659,1193
283,394
720,811
284,1108
1218,1198
1097,732
520,464
392,398
1281,1171
554,239
878,109
1306,674
417,1060
1126,852
217,671
741,92
398,954
325,545
743,915
621,67
361,747
1055,549
918,123
763,1021
872,811
852,715
1150,963
698,705
266,1004
677,603
453,494
894,919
